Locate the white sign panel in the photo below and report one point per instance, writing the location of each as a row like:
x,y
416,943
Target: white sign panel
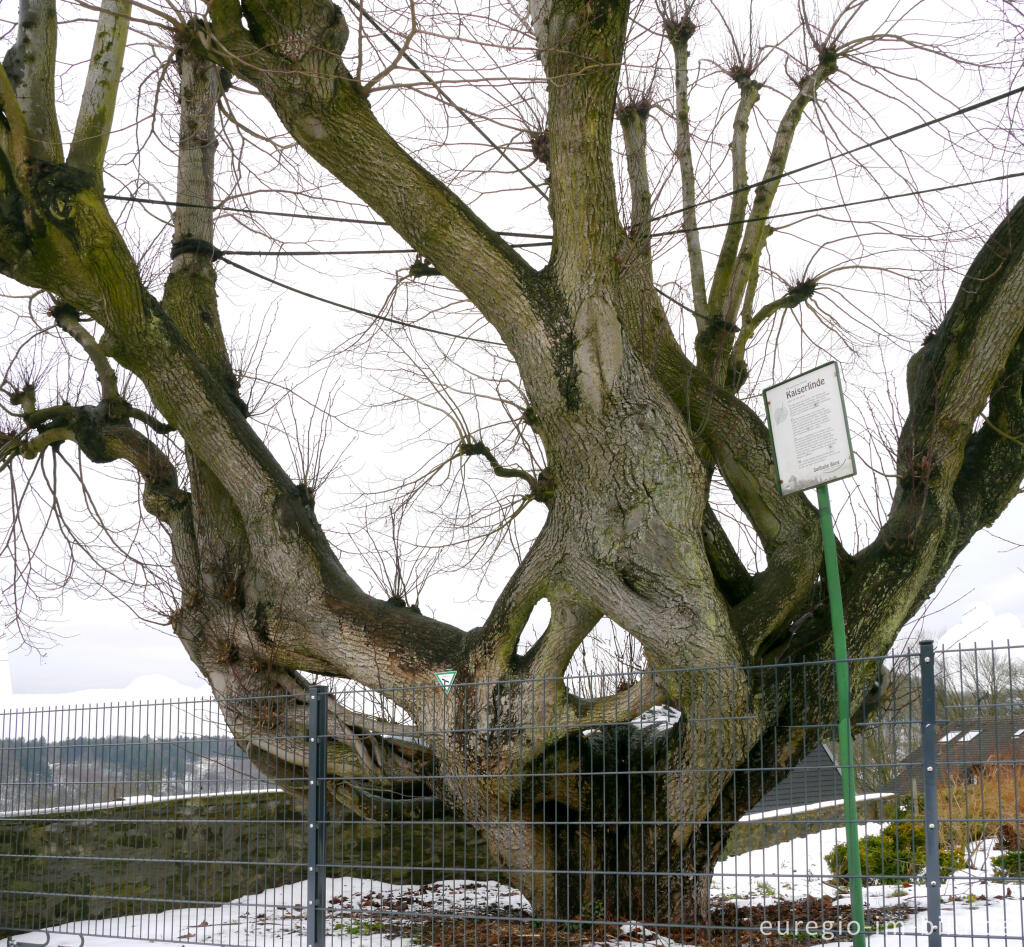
x,y
808,428
445,678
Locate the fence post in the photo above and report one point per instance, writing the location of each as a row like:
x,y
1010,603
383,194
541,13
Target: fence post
x,y
931,793
316,899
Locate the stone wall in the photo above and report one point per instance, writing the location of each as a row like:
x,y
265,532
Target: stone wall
x,y
763,833
154,856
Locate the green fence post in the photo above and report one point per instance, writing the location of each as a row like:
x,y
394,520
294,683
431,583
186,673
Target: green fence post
x,y
835,602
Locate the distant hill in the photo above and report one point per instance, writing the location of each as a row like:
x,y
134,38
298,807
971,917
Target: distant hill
x,y
37,774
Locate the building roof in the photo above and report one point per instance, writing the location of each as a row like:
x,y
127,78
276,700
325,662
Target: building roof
x,y
961,749
816,778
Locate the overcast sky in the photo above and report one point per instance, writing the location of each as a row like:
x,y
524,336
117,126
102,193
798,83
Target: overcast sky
x,y
104,648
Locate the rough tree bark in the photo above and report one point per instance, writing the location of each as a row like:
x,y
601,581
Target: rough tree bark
x,y
632,428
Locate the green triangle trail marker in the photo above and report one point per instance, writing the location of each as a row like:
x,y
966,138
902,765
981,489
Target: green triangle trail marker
x,y
445,678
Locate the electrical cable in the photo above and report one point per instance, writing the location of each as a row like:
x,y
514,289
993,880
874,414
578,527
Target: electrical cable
x,y
803,212
543,242
843,204
362,312
406,250
291,215
222,255
533,236
849,151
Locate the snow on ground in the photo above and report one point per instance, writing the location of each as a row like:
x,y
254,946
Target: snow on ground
x,y
360,913
976,907
791,870
813,807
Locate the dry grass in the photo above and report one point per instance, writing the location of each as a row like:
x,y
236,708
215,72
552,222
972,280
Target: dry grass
x,y
992,806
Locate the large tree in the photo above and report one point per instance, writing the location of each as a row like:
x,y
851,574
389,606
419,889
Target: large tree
x,y
642,417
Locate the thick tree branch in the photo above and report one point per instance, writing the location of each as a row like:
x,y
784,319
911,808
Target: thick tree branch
x,y
621,707
28,448
96,111
190,295
104,439
297,66
680,28
962,364
633,119
750,92
733,438
993,468
491,648
755,232
571,621
731,576
97,275
14,131
581,47
29,65
950,482
68,319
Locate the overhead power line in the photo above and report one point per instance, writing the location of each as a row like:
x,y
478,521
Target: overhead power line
x,y
405,250
376,316
843,204
291,215
803,212
295,215
222,255
160,202
849,151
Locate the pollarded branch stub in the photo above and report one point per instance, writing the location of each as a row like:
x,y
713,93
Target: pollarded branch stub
x,y
294,31
635,105
55,189
679,21
540,145
800,291
24,398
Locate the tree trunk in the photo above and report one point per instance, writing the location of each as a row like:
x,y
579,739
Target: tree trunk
x,y
586,812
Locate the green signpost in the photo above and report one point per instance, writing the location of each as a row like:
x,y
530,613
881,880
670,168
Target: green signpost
x,y
811,445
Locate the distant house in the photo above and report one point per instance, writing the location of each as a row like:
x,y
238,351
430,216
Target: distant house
x,y
962,751
814,780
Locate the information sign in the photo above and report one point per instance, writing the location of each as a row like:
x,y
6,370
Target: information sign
x,y
445,678
809,431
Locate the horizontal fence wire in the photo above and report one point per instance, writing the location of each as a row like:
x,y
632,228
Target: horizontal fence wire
x,y
699,806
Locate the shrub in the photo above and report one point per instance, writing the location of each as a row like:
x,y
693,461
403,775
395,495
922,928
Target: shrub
x,y
1009,864
897,854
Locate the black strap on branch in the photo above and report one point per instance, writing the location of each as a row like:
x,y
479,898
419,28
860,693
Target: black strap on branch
x,y
194,245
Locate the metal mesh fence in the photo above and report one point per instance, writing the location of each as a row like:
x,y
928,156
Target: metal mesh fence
x,y
697,806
